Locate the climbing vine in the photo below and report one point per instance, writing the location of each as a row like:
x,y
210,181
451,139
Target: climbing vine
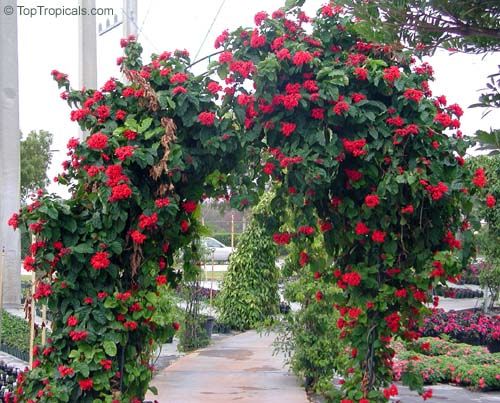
x,y
349,129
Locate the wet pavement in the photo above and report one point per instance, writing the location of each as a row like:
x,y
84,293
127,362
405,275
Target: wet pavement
x,y
238,368
448,394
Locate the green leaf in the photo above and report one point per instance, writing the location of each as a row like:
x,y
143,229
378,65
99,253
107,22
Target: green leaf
x,y
83,248
109,348
145,125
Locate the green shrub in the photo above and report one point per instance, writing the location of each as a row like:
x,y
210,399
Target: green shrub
x,y
16,336
249,292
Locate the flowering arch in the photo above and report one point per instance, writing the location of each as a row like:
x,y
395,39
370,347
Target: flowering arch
x,y
348,128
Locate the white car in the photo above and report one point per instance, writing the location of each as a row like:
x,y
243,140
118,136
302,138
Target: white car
x,y
217,251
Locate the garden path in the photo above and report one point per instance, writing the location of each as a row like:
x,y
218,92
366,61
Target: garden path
x,y
238,368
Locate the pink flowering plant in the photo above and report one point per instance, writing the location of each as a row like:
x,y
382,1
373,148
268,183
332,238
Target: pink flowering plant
x,y
349,130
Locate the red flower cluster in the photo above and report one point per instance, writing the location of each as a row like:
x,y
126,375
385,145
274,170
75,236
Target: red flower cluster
x,y
189,206
100,260
392,321
340,107
287,128
437,191
137,237
97,141
120,192
306,230
479,178
490,201
72,321
122,153
282,238
391,74
206,118
413,95
352,278
378,236
355,147
86,384
372,201
14,221
78,335
302,57
146,221
65,371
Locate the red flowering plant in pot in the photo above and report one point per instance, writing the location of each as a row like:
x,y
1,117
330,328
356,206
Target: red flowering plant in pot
x,y
104,257
353,135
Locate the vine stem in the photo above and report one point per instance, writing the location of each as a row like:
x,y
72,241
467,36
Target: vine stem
x,y
204,58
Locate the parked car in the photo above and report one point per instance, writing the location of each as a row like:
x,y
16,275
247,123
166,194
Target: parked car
x,y
217,251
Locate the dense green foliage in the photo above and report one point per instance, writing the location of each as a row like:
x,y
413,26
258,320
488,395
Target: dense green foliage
x,y
35,160
249,291
16,333
309,337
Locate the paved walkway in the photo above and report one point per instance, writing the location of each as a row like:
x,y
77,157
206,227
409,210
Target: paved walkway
x,y
238,368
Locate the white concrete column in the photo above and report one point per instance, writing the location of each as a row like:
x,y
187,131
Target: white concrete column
x,y
10,138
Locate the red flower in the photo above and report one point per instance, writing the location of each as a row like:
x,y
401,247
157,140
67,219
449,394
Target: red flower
x,y
97,141
214,87
391,74
28,263
130,325
86,384
120,192
184,226
77,335
268,168
407,210
444,119
372,201
401,293
129,134
176,326
391,391
161,280
225,57
146,221
490,201
100,260
392,321
206,118
378,236
353,279
103,112
137,237
318,113
283,54
179,90
88,300
178,78
413,95
120,115
438,269
102,294
357,97
303,258
306,230
164,202
122,153
479,178
361,73
318,296
282,238
260,17
14,221
361,228
301,58
106,364
427,394
189,206
438,191
287,128
341,107
256,40
354,147
325,226
354,312
65,371
72,321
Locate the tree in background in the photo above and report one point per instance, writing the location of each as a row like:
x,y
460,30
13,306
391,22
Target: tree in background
x,y
469,26
249,292
35,160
